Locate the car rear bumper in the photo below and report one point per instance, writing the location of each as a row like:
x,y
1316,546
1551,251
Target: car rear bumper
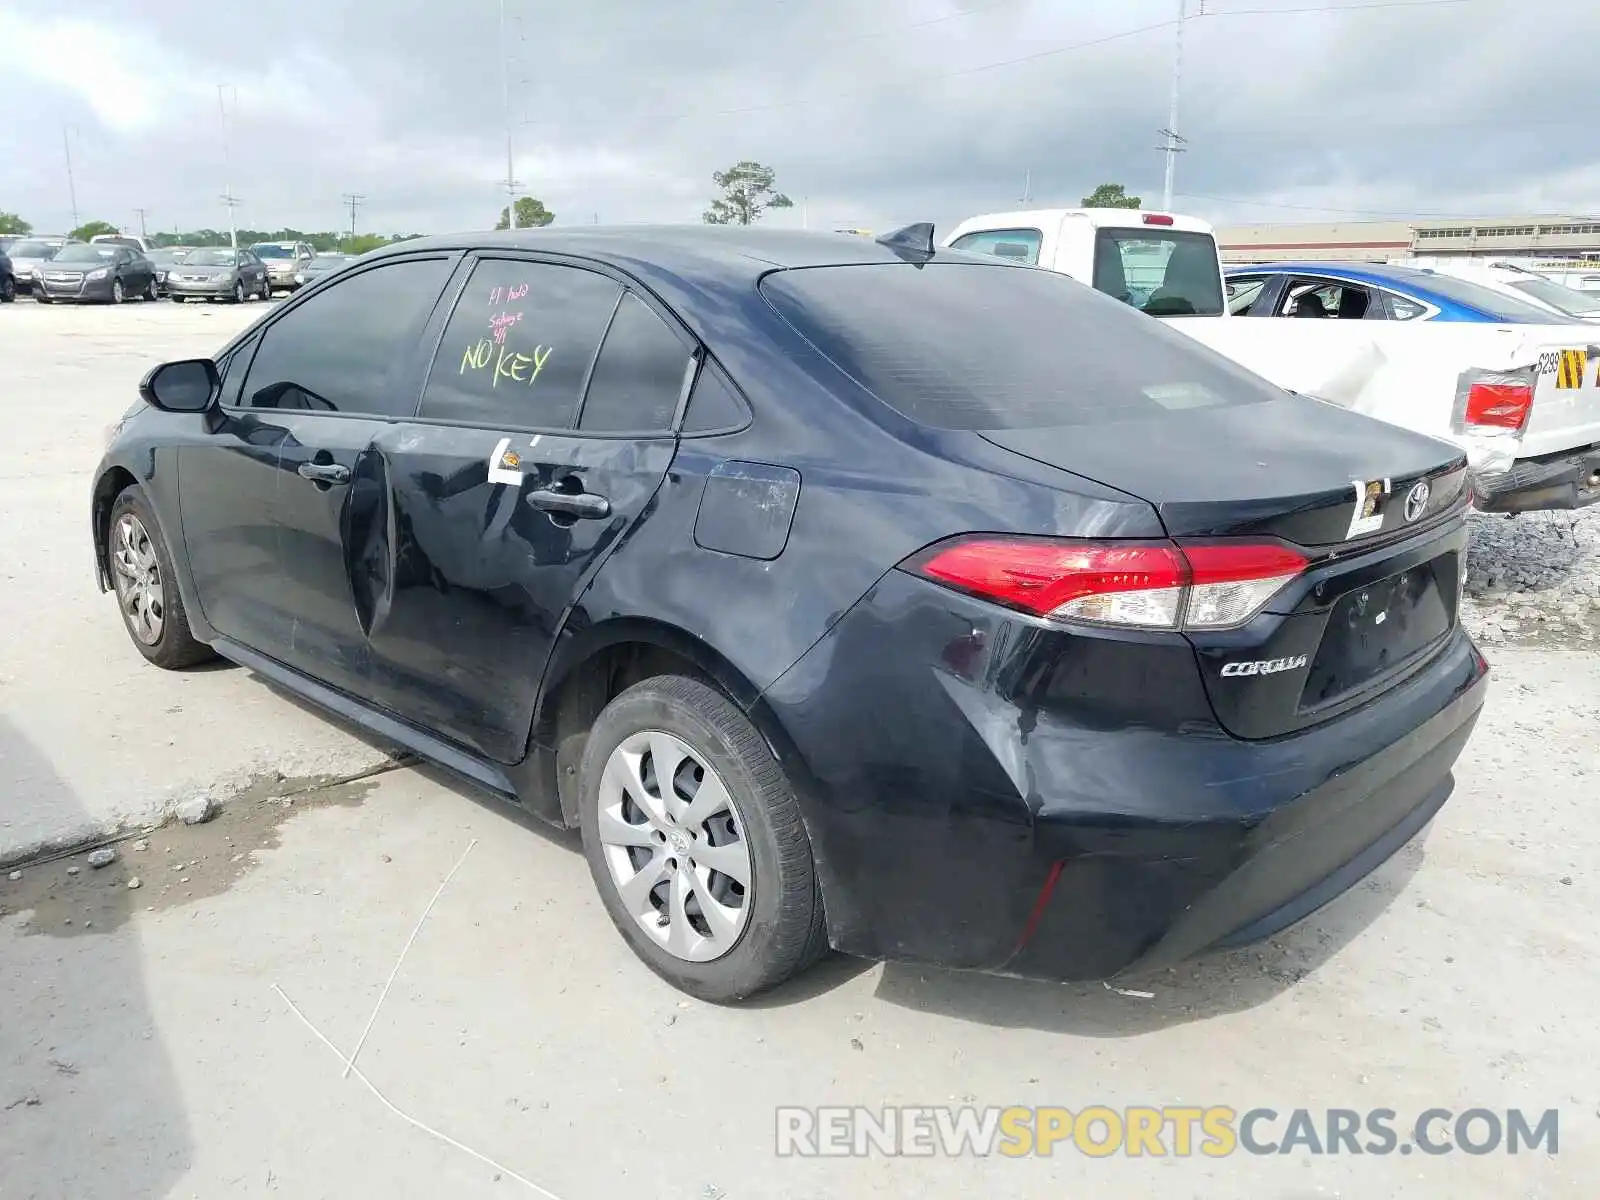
x,y
1567,480
965,812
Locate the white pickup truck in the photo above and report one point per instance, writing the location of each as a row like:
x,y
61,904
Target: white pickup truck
x,y
1521,398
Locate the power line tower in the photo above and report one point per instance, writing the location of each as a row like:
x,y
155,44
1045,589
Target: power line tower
x,y
353,200
142,212
72,188
228,198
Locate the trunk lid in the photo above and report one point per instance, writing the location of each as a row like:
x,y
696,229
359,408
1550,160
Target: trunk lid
x,y
1379,512
1289,468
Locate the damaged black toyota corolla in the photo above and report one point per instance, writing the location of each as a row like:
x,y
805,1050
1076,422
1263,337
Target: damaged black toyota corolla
x,y
841,592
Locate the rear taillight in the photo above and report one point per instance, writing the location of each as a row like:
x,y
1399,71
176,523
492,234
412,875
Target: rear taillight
x,y
1493,402
1499,405
1138,585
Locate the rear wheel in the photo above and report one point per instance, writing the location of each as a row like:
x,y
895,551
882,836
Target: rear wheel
x,y
8,290
695,842
146,587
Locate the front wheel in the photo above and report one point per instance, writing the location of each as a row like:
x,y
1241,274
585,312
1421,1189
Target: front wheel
x,y
150,292
8,290
238,291
177,299
39,296
146,587
117,294
695,842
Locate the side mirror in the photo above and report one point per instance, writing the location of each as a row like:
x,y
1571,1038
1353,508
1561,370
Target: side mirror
x,y
190,385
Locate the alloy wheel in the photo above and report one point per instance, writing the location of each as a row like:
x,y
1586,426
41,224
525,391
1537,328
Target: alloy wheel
x,y
116,291
675,846
238,293
136,572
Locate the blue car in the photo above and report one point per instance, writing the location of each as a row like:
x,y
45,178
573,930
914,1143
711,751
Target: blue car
x,y
1369,292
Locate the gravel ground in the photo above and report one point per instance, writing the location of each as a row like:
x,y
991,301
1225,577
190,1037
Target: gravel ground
x,y
1534,578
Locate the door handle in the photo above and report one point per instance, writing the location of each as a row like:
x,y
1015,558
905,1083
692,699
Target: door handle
x,y
572,504
324,472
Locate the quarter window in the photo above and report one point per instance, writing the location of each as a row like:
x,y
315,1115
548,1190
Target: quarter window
x,y
519,345
639,375
341,351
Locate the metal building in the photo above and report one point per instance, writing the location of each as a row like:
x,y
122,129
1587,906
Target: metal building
x,y
1543,238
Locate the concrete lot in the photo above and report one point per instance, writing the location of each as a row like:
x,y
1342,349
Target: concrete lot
x,y
148,1046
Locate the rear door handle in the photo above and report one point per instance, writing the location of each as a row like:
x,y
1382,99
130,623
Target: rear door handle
x,y
572,504
324,472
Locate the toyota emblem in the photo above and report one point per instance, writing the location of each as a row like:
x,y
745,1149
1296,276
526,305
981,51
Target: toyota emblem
x,y
1417,501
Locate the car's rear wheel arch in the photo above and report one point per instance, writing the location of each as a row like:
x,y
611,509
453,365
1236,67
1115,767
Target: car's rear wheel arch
x,y
606,659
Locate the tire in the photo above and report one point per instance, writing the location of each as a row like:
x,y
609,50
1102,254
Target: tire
x,y
40,298
178,299
117,294
238,291
150,292
8,290
133,547
776,929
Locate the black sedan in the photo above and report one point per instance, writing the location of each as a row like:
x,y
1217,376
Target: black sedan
x,y
218,274
100,272
840,591
8,279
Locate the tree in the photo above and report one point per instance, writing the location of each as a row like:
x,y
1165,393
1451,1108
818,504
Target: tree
x,y
748,190
93,229
1110,195
531,214
11,223
363,242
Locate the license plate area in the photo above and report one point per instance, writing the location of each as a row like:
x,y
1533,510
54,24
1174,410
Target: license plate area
x,y
1375,630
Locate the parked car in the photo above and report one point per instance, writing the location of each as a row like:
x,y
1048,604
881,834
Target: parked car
x,y
8,279
219,274
839,591
164,259
1512,278
107,274
7,239
28,255
321,265
284,261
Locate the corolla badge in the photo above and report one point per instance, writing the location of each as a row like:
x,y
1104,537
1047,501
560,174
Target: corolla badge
x,y
1265,666
1417,500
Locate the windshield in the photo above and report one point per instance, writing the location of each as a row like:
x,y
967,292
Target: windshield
x,y
211,258
971,346
1165,274
31,250
268,250
85,254
1568,300
116,241
164,258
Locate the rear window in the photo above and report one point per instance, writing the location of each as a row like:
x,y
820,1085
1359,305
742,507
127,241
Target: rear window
x,y
971,346
1497,306
1171,273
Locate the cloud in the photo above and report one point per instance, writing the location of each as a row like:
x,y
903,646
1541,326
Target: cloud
x,y
872,115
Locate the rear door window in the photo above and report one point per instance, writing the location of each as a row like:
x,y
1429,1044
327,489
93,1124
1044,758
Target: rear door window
x,y
971,346
1014,245
519,345
1165,273
639,376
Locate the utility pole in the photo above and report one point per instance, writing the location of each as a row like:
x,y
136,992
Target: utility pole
x,y
72,188
228,198
1027,189
505,89
352,199
1175,141
142,231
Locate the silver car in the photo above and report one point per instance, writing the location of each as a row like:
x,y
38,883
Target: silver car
x,y
30,254
284,261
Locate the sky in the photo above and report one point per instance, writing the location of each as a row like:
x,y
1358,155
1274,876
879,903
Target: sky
x,y
873,114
